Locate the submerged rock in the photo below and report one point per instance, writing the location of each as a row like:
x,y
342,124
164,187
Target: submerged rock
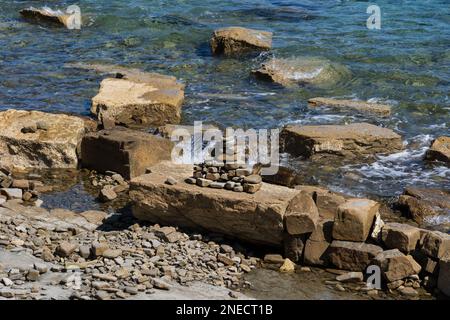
x,y
439,150
352,105
147,99
54,147
349,141
292,71
236,40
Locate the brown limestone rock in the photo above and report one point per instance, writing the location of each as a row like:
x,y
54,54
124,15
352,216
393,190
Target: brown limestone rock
x,y
354,220
350,141
237,40
125,151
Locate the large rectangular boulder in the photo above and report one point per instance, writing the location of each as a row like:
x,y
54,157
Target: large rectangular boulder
x,y
139,99
354,256
256,218
400,236
125,151
436,244
34,139
349,141
354,219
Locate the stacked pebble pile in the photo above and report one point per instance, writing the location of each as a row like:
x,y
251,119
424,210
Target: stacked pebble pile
x,y
227,176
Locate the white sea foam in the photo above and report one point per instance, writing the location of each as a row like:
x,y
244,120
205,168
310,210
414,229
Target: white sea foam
x,y
437,220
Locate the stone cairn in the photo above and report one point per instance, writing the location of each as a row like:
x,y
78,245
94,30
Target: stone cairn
x,y
225,173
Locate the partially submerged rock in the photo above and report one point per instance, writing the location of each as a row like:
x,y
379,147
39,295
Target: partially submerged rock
x,y
125,151
294,71
439,150
352,105
256,218
144,99
237,40
48,15
349,141
54,146
418,203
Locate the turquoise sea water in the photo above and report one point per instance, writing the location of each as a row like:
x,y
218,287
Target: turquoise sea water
x,y
406,63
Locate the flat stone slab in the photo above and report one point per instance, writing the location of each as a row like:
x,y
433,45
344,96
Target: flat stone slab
x,y
139,98
235,40
34,139
56,219
256,218
349,141
343,105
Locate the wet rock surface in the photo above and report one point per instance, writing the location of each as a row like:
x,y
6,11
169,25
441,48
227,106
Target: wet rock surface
x,y
344,105
294,71
351,141
238,40
439,150
47,15
420,203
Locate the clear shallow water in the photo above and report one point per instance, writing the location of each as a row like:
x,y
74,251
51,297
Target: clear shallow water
x,y
406,63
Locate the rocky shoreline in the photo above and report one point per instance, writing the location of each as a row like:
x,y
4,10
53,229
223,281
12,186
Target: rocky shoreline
x,y
293,228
